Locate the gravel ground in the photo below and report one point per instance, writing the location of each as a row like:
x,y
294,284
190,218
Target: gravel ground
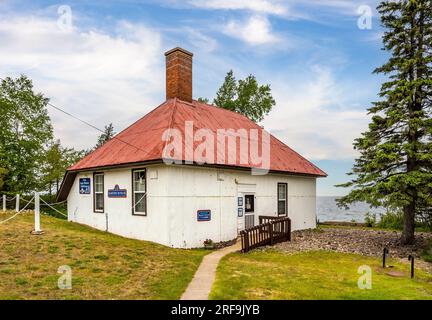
x,y
356,240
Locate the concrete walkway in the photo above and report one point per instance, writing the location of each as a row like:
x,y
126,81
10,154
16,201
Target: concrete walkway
x,y
200,286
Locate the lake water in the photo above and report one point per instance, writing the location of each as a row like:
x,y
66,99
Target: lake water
x,y
327,210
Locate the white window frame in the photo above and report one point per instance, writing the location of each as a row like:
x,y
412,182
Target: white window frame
x,y
282,200
95,192
134,192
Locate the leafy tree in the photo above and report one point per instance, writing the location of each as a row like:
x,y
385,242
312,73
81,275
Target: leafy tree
x,y
3,173
57,160
245,96
53,166
25,132
108,134
394,168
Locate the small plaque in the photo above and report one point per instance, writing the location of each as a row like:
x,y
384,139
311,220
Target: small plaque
x,y
203,215
117,192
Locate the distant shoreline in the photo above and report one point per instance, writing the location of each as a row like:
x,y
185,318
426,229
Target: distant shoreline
x,y
327,210
343,223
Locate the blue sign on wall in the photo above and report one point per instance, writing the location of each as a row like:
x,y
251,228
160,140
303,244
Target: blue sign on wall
x,y
204,215
117,192
84,185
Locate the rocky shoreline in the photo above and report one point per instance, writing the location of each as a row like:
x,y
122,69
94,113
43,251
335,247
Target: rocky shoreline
x,y
369,242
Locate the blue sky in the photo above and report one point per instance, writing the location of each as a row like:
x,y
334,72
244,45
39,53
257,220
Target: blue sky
x,y
109,65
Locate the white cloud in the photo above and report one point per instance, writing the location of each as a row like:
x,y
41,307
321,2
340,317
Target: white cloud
x,y
310,116
293,9
256,30
97,76
259,6
200,40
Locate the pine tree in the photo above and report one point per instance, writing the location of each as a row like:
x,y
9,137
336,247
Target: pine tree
x,y
245,96
225,96
108,134
394,168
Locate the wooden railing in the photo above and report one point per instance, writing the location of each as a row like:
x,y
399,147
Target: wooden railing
x,y
268,233
265,219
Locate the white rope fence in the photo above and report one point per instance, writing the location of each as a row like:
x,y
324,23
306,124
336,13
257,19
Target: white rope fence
x,y
17,202
55,203
25,207
36,200
19,199
50,205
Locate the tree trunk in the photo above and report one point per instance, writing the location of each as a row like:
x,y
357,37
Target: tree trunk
x,y
413,133
409,224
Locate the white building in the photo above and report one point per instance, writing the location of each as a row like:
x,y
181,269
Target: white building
x,y
172,179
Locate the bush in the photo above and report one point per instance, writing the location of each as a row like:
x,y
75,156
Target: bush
x,y
395,220
427,252
209,244
370,220
391,220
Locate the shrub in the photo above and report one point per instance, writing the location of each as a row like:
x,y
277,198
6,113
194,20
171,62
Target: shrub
x,y
427,252
370,220
391,220
208,243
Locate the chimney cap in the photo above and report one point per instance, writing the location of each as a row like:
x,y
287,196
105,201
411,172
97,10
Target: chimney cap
x,y
178,49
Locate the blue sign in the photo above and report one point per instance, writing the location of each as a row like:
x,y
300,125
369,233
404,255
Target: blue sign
x,y
117,192
204,215
84,185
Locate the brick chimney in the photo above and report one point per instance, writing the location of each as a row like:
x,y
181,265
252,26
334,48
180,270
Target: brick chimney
x,y
179,74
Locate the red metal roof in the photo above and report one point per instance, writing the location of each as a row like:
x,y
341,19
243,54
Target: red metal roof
x,y
142,141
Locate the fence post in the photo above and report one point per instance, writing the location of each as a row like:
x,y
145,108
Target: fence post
x,y
4,202
17,199
271,232
289,229
37,230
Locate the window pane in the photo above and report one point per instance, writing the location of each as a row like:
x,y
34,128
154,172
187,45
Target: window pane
x,y
249,203
282,191
281,207
99,183
99,201
140,202
139,181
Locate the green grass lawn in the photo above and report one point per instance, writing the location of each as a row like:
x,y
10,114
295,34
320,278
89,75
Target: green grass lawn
x,y
270,274
104,266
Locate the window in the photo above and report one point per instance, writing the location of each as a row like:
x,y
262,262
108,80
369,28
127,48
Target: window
x,y
249,203
282,199
98,192
139,200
